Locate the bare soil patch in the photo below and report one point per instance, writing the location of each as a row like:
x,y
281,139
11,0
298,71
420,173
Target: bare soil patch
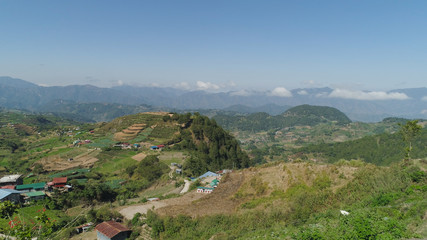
x,y
220,201
56,163
223,200
130,132
138,157
129,211
157,113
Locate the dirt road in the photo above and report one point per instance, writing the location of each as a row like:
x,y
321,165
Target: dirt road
x,y
221,201
129,211
194,204
186,186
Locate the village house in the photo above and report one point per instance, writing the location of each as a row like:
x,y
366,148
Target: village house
x,y
34,196
31,187
11,180
10,195
123,145
208,174
222,172
58,183
204,190
112,230
157,147
84,228
214,183
176,165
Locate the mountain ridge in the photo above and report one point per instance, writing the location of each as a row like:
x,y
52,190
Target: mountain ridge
x,y
21,94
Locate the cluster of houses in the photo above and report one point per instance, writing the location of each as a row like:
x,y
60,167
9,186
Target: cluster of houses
x,y
127,145
81,142
178,166
157,147
12,189
212,185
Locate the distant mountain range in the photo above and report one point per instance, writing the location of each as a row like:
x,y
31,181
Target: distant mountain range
x,y
358,106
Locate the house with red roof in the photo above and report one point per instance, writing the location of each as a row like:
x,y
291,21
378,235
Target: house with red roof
x,y
112,230
58,183
8,187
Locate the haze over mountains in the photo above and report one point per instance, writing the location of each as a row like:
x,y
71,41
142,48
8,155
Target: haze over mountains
x,y
357,105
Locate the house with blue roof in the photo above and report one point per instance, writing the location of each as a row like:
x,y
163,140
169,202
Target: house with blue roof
x,y
10,195
209,174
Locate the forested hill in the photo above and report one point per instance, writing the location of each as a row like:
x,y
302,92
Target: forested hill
x,y
313,114
381,149
212,147
304,115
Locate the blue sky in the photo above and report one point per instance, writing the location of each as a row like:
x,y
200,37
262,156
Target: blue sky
x,y
216,45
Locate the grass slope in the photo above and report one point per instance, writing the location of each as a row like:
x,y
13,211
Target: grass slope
x,y
303,201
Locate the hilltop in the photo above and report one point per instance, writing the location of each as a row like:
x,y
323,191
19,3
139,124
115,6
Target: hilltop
x,y
304,115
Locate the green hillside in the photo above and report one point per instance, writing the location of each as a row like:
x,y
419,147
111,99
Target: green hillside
x,y
114,173
314,201
90,112
304,115
311,115
215,149
381,149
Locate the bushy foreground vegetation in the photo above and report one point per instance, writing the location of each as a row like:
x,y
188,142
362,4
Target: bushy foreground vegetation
x,y
382,202
382,149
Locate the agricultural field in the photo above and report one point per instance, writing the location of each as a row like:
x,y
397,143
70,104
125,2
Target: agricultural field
x,y
115,172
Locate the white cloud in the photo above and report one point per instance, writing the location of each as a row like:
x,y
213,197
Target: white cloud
x,y
322,94
153,84
183,85
240,93
280,92
360,95
120,83
424,111
310,83
206,86
231,84
43,85
302,92
424,98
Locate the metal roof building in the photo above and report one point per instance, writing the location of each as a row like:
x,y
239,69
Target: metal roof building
x,y
209,174
112,230
10,195
11,180
31,187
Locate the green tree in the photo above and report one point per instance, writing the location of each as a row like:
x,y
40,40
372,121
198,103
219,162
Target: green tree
x,y
7,209
409,131
150,168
